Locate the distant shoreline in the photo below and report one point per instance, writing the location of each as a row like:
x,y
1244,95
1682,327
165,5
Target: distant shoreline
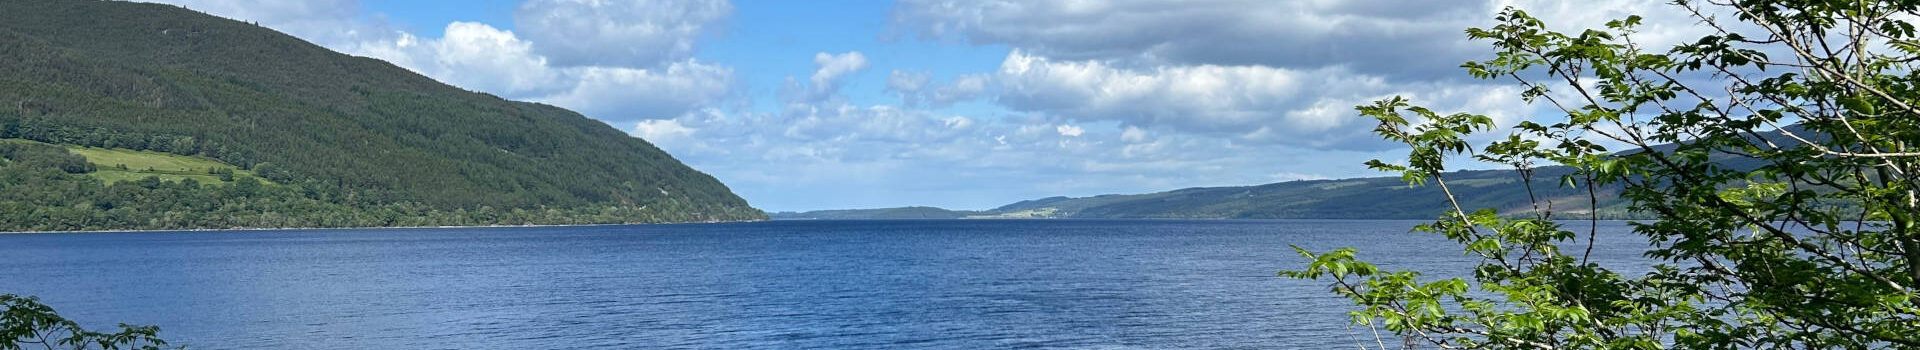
x,y
1140,219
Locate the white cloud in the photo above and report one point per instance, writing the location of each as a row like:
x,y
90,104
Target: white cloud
x,y
480,57
626,93
1226,32
831,154
1070,130
917,89
966,87
662,131
1285,72
818,153
958,122
618,32
1133,134
907,82
1418,40
1312,108
826,79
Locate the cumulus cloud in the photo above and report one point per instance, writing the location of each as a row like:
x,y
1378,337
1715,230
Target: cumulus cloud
x,y
1373,35
828,153
1311,108
1418,40
627,93
468,48
1287,72
905,82
1133,134
832,67
966,87
618,32
662,131
480,57
917,89
1096,96
1069,130
832,154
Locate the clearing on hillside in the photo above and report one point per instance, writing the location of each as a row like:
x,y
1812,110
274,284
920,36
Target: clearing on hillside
x,y
166,166
119,164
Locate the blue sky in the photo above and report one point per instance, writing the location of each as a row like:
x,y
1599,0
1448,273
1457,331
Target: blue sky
x,y
804,105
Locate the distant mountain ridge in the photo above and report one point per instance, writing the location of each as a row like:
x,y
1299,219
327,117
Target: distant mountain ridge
x,y
353,133
1356,198
1359,198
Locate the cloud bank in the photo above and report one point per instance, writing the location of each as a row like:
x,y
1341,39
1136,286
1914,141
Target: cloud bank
x,y
1091,97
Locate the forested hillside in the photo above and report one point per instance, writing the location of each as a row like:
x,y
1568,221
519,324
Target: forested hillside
x,y
351,134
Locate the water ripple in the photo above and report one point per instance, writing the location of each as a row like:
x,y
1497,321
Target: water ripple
x,y
775,285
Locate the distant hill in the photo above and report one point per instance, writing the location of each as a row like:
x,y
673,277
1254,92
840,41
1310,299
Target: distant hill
x,y
1362,198
351,134
1359,198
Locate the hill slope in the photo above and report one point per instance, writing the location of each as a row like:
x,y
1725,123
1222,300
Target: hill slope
x,y
1361,198
338,129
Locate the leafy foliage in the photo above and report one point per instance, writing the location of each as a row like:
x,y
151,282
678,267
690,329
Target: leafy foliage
x,y
26,155
350,132
28,324
1811,246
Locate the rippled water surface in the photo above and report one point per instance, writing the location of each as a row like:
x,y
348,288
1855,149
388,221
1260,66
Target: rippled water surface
x,y
1082,284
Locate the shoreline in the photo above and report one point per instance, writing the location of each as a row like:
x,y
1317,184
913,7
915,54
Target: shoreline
x,y
245,229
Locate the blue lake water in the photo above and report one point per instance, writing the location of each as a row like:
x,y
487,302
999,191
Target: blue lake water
x,y
939,284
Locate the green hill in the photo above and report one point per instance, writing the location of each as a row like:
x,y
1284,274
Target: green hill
x,y
351,134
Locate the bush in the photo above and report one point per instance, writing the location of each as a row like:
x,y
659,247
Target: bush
x,y
1779,158
27,324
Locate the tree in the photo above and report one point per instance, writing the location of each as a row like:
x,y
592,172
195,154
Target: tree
x,y
28,324
246,187
1775,156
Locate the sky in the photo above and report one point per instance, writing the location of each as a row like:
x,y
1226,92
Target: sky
x,y
807,105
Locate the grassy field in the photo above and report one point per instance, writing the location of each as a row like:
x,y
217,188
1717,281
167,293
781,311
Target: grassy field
x,y
142,164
